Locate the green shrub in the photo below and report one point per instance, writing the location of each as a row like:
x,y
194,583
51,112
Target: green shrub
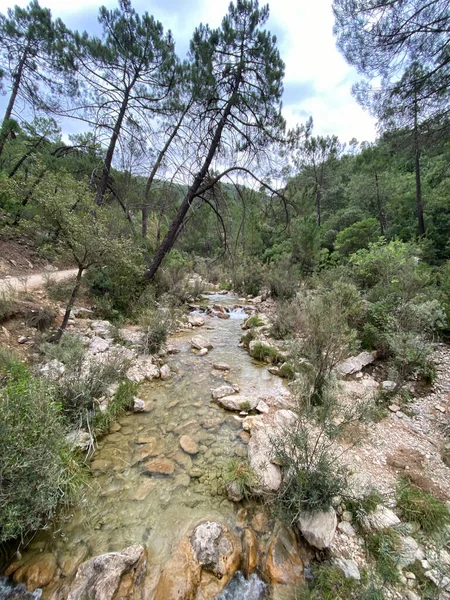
x,y
155,325
282,279
288,319
6,304
287,371
417,506
356,236
241,475
253,321
117,406
361,507
248,278
312,475
384,546
424,586
37,469
265,353
247,338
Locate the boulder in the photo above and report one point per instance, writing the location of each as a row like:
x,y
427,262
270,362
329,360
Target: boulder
x,y
216,549
99,578
388,386
223,315
164,372
381,518
284,418
37,572
407,551
348,567
260,457
283,564
318,527
180,577
98,344
249,552
196,320
262,407
142,370
238,402
138,405
354,364
198,343
222,391
188,444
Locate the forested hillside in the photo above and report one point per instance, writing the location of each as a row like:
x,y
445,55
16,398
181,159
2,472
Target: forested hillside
x,y
183,177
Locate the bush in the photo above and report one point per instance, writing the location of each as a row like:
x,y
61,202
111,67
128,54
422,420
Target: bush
x,y
253,321
265,353
247,338
417,506
288,319
282,279
155,325
6,304
117,406
384,546
241,476
326,339
37,468
248,278
59,291
356,236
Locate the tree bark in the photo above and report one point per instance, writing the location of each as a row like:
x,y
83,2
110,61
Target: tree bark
x,y
419,203
103,185
151,177
12,98
57,336
171,235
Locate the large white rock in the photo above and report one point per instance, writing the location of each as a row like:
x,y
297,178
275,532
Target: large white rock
x,y
222,391
381,518
318,528
238,402
100,577
199,343
260,459
355,363
285,418
142,370
196,320
348,567
98,344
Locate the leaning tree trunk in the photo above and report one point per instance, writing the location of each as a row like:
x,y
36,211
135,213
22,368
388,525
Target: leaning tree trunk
x,y
171,236
103,185
419,203
57,336
12,99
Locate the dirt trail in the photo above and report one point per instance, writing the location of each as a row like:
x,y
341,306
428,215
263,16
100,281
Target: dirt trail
x,y
33,282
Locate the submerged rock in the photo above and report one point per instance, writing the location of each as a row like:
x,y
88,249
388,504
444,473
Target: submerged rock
x,y
318,528
220,366
160,466
188,444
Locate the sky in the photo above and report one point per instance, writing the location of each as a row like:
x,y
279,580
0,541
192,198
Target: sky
x,y
318,81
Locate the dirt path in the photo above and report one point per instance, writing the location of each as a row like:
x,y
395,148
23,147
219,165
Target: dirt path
x,y
33,282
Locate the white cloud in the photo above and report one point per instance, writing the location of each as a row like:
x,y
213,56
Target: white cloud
x,y
304,31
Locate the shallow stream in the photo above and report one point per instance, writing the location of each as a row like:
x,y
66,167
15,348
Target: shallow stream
x,y
126,504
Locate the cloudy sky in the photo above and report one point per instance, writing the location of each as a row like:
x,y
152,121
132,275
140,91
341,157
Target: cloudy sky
x,y
318,80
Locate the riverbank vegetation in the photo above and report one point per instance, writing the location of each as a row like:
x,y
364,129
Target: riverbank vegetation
x,y
183,168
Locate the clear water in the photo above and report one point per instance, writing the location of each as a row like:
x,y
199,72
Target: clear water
x,y
124,505
241,588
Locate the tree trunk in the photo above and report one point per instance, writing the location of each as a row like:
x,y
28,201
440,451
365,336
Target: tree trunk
x,y
171,235
12,98
318,206
379,206
419,203
103,185
57,336
151,177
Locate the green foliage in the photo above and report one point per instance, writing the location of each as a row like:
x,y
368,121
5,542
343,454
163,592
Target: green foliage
x,y
253,321
247,338
241,476
6,304
117,406
59,291
425,587
248,278
288,319
264,352
282,279
155,325
361,507
418,506
357,236
384,547
37,471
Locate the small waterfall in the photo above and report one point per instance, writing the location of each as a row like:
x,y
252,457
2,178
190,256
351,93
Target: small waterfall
x,y
241,588
10,591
